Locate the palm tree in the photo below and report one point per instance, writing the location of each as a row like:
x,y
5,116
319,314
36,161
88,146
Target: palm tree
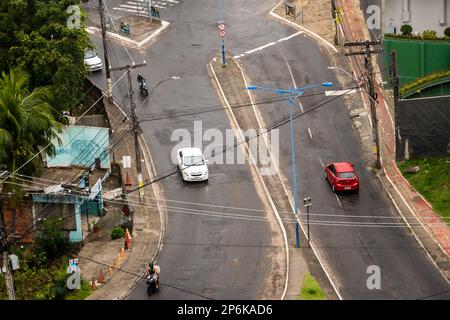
x,y
26,123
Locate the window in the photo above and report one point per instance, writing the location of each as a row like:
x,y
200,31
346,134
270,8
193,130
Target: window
x,y
194,161
332,169
346,175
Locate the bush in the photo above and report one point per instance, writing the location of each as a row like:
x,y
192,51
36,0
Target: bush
x,y
406,30
51,241
447,32
429,34
117,233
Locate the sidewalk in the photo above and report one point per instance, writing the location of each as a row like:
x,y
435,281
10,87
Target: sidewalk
x,y
434,238
122,269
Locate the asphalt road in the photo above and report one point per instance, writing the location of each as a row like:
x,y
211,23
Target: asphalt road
x,y
325,136
225,258
202,256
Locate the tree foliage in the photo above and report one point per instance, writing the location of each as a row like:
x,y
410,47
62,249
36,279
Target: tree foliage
x,y
35,37
26,122
406,30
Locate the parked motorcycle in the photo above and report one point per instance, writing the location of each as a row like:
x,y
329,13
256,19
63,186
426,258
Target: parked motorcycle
x,y
142,85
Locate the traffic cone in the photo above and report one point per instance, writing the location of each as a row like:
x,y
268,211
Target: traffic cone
x,y
128,238
93,284
101,277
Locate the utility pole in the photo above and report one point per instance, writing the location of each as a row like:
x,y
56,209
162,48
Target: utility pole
x,y
105,51
307,204
367,52
135,123
4,248
395,81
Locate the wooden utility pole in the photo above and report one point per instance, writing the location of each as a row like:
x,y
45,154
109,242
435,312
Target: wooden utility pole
x,y
367,52
395,82
135,123
105,51
5,256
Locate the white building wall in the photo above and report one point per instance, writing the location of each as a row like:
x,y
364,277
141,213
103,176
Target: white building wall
x,y
420,14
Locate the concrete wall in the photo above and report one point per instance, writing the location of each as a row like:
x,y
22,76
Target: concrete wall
x,y
422,127
420,14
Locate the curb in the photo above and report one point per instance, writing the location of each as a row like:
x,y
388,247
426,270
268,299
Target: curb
x,y
164,26
269,198
146,153
290,200
307,31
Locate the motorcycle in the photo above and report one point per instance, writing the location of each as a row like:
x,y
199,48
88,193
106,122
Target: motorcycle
x,y
152,283
142,85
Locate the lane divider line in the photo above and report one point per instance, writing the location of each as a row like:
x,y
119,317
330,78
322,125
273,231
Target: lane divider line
x,y
269,198
313,247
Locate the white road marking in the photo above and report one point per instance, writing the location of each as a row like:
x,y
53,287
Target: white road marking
x,y
267,45
310,134
338,199
321,162
301,106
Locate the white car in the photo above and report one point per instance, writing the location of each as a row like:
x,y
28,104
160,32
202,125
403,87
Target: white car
x,y
192,164
92,61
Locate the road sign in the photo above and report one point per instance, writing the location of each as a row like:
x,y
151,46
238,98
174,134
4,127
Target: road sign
x,y
222,33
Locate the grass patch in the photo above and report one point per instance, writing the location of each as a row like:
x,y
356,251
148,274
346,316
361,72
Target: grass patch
x,y
81,294
311,289
432,181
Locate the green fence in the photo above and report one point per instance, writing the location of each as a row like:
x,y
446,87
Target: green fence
x,y
416,58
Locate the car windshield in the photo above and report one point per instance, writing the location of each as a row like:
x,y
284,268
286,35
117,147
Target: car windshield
x,y
193,161
346,175
88,54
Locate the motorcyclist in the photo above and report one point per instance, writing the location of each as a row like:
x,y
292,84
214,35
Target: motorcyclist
x,y
141,80
153,270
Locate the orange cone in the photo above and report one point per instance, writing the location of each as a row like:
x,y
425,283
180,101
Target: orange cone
x,y
128,238
101,277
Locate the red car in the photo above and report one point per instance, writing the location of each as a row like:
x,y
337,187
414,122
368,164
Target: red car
x,y
342,176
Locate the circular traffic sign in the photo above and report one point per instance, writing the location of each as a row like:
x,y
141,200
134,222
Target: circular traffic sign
x,y
221,26
222,33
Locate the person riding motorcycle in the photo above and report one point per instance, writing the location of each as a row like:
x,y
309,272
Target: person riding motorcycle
x,y
141,80
153,270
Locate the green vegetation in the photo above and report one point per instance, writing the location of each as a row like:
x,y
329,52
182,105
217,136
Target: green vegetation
x,y
406,30
447,32
34,36
311,289
117,233
43,268
26,122
432,181
428,78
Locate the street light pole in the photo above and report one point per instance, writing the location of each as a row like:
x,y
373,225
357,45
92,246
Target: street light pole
x,y
298,92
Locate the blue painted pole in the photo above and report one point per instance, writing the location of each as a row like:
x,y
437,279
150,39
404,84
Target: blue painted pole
x,y
294,174
223,52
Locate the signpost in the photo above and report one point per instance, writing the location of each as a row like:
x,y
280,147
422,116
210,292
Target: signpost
x,y
222,34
